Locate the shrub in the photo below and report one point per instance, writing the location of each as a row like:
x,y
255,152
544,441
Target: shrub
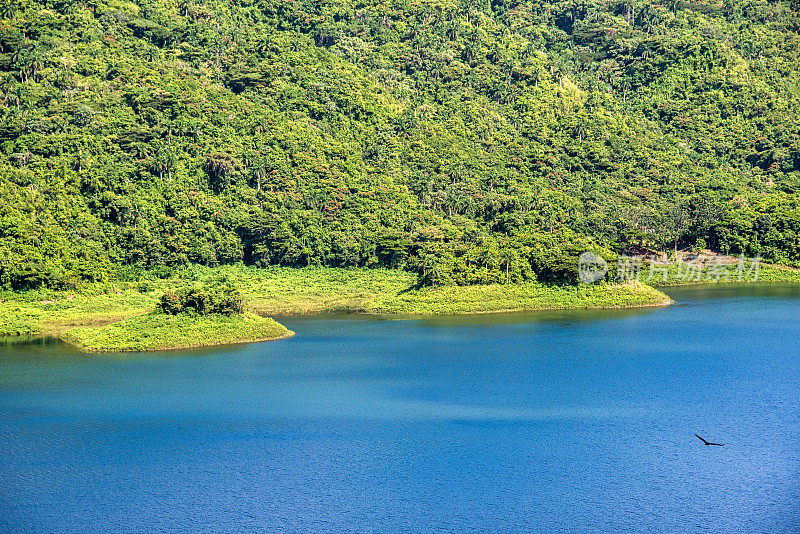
x,y
222,299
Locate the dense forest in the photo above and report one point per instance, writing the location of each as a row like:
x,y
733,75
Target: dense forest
x,y
471,141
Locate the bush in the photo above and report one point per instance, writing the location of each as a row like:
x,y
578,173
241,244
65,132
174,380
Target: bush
x,y
222,299
559,264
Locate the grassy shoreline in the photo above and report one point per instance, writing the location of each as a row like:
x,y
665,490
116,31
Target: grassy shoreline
x,y
122,309
282,292
456,300
158,331
767,274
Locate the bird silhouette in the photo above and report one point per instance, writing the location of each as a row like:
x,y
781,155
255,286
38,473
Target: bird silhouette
x,y
709,443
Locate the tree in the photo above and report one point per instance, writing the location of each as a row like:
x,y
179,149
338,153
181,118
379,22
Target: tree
x,y
508,255
8,9
580,129
261,168
676,221
164,161
219,166
220,298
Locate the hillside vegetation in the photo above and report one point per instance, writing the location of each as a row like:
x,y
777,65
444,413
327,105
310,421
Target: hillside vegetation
x,y
470,142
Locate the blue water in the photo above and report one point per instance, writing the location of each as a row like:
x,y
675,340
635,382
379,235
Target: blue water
x,y
549,422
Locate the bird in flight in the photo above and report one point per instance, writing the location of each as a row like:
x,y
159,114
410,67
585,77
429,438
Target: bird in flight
x,y
709,443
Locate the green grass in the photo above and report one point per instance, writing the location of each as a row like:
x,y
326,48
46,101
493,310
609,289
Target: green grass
x,y
524,297
286,291
159,331
730,275
118,315
277,291
53,315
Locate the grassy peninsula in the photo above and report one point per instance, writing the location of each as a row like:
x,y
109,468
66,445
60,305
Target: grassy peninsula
x,y
159,331
194,315
120,316
129,316
279,291
126,316
49,313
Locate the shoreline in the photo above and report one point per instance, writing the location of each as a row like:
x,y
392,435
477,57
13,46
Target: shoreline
x,y
287,335
64,337
161,332
723,283
657,304
123,310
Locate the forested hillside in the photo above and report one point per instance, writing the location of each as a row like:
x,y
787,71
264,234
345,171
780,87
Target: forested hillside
x,y
470,141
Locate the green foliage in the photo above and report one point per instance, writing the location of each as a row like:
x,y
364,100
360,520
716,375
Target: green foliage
x,y
471,143
558,264
219,299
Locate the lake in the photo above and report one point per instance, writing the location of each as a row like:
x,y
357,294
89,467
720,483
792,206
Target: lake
x,y
545,422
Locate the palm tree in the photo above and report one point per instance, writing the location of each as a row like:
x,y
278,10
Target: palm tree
x,y
247,160
151,53
260,170
431,269
626,86
164,161
80,160
17,94
112,68
6,87
20,60
35,62
8,9
674,5
580,130
507,255
537,76
141,150
630,12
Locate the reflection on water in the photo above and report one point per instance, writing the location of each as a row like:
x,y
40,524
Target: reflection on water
x,y
728,291
27,342
563,317
551,421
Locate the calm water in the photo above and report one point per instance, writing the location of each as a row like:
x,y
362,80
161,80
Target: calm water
x,y
522,422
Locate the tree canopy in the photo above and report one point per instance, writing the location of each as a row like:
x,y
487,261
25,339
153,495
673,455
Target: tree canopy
x,y
472,141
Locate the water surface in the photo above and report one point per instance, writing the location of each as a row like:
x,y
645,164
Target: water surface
x,y
556,422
